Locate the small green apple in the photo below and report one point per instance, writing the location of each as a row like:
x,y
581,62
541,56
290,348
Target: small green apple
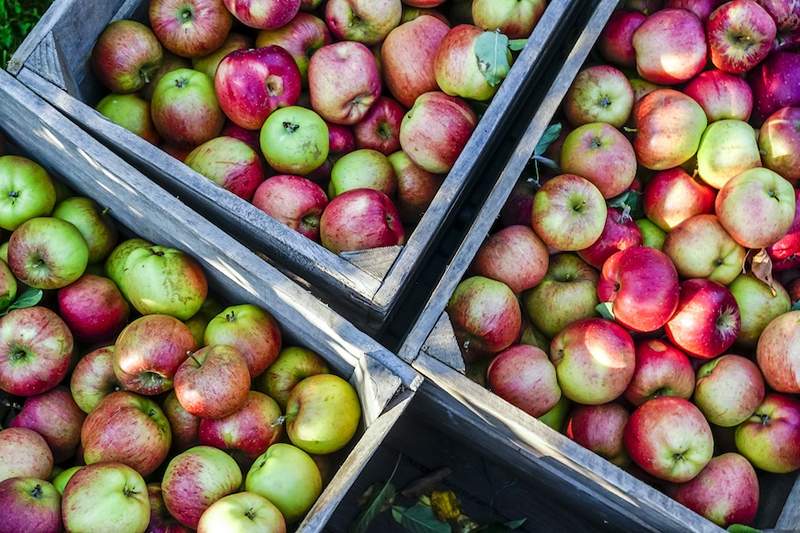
x,y
95,225
26,191
652,235
131,112
63,477
556,416
293,365
115,264
758,305
362,169
295,140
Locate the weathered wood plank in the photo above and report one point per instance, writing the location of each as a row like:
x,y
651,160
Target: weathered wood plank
x,y
442,344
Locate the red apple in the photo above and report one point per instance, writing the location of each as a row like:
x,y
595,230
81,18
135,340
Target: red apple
x,y
616,41
458,72
30,505
416,188
380,128
721,95
93,378
569,213
701,248
24,453
725,492
600,93
359,220
149,351
707,320
301,37
251,84
160,519
185,109
485,315
190,28
729,390
213,382
294,201
601,154
770,438
229,163
524,377
775,84
669,439
519,205
126,56
513,255
701,8
778,353
249,329
55,416
93,308
619,233
35,351
670,47
672,196
599,428
779,143
740,35
128,429
661,370
365,21
263,14
785,253
185,426
249,137
250,430
407,57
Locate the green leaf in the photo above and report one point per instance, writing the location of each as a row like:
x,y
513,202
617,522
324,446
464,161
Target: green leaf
x,y
630,203
29,298
419,519
491,51
606,310
373,509
548,137
515,45
741,528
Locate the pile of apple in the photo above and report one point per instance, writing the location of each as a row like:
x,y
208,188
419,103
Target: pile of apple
x,y
638,292
133,402
358,107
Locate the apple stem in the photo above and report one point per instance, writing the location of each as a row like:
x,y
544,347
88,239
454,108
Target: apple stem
x,y
279,421
193,358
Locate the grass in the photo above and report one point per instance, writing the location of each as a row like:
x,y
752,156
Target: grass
x,y
17,18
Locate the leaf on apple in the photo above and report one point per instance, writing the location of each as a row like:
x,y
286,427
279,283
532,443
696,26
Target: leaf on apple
x,y
605,310
491,51
419,519
28,298
761,267
549,136
630,203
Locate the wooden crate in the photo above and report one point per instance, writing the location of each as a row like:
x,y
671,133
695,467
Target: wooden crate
x,y
54,62
517,438
385,385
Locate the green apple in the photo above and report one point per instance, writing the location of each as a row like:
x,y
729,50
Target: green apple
x,y
63,477
652,235
4,251
293,365
727,148
288,477
95,225
362,169
161,280
243,512
208,64
514,18
322,414
115,264
294,140
131,112
8,286
198,323
533,337
103,494
26,191
758,306
556,416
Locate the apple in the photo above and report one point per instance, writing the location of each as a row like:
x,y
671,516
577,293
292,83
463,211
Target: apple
x,y
567,293
288,477
24,453
94,224
160,519
434,132
131,112
556,417
343,81
103,494
160,280
514,18
599,428
600,93
601,154
229,163
185,109
775,84
125,56
35,351
569,213
616,42
294,140
365,21
642,285
249,329
322,414
778,353
725,492
294,201
769,201
721,95
171,62
485,315
380,128
249,137
252,83
213,382
673,196
670,47
190,28
55,416
249,431
727,148
30,505
208,64
93,378
60,481
514,256
707,320
769,438
243,512
519,205
416,187
362,169
785,254
457,68
263,14
47,253
759,304
293,365
701,8
619,233
729,389
669,127
185,426
701,248
360,219
407,57
93,308
197,478
661,370
786,14
149,351
779,143
129,429
524,377
8,286
740,35
301,37
29,191
413,13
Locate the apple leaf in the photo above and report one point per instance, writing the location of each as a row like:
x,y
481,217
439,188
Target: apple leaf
x,y
419,519
515,45
605,310
761,267
376,505
28,298
548,137
630,203
491,51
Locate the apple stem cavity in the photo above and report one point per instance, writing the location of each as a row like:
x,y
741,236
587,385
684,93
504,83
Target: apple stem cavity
x,y
36,492
291,127
250,513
